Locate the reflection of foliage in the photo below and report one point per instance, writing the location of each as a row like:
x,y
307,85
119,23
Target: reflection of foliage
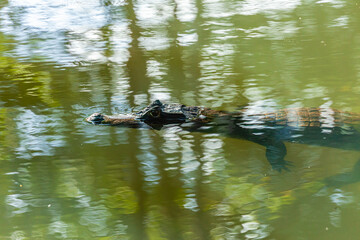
x,y
22,81
8,139
123,198
245,196
155,222
250,205
3,3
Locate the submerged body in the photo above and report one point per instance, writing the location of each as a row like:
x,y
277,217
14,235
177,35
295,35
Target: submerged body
x,y
316,126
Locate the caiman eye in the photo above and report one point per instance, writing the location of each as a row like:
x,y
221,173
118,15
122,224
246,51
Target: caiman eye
x,y
155,113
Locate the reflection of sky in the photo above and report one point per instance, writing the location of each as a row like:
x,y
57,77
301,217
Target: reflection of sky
x,y
333,3
154,13
219,9
41,27
33,130
52,16
68,31
272,7
186,10
148,159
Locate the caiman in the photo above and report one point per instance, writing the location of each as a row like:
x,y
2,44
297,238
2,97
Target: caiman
x,y
317,126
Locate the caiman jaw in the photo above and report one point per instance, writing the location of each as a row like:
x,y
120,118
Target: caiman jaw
x,y
118,120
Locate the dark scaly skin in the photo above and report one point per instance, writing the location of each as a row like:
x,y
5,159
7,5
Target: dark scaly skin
x,y
317,126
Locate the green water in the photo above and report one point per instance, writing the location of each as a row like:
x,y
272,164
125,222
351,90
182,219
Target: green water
x,y
60,61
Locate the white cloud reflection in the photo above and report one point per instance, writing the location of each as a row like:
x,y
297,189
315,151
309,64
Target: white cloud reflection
x,y
186,10
271,7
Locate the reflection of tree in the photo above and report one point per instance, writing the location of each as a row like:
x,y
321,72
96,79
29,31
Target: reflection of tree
x,y
136,69
137,221
136,65
169,192
193,52
204,220
175,59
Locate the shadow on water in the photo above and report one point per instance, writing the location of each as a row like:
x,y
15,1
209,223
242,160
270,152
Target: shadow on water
x,y
344,179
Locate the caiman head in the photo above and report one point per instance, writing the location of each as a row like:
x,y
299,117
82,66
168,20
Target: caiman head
x,y
95,118
157,112
155,115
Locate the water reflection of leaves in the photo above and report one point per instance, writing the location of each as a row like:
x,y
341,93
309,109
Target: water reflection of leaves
x,y
255,204
124,199
23,81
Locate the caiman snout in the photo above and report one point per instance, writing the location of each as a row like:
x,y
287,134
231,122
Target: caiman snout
x,y
95,118
114,120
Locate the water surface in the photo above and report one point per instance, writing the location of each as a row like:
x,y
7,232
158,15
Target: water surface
x,y
64,179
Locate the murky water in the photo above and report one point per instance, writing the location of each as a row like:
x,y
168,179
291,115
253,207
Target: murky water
x,y
62,178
